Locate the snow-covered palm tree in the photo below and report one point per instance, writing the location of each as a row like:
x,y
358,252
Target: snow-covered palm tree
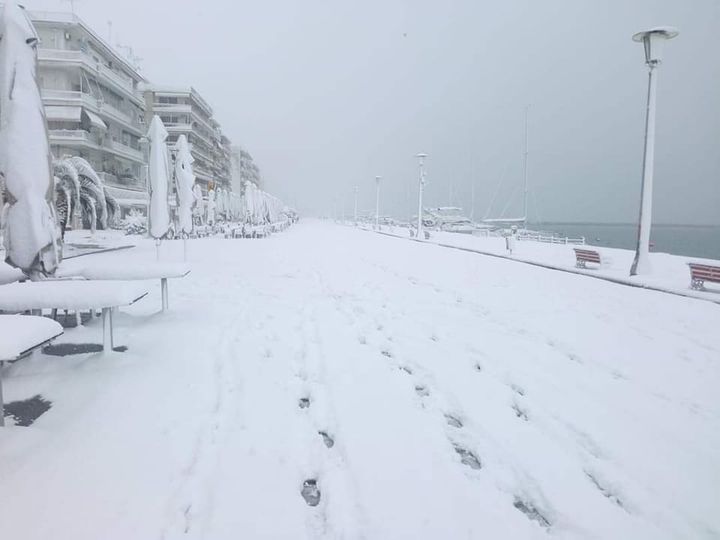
x,y
80,193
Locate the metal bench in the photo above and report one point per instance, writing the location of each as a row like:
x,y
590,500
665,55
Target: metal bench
x,y
584,256
700,273
21,336
35,296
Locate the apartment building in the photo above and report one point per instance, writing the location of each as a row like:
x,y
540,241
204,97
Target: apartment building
x,y
184,112
93,104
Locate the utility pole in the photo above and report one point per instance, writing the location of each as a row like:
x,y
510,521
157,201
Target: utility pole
x,y
377,202
653,41
525,172
356,204
421,186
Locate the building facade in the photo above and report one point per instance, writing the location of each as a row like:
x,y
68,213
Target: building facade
x,y
185,112
93,104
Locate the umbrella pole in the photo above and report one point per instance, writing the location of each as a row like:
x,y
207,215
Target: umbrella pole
x,y
157,249
184,248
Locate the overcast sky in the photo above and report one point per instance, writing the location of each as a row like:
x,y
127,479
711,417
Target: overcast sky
x,y
327,94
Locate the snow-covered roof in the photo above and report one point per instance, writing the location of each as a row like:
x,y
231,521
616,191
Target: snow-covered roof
x,y
70,19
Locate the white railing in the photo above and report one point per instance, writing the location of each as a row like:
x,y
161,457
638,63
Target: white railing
x,y
76,135
549,238
99,68
124,150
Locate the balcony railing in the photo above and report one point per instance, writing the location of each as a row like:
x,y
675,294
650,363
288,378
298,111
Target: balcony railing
x,y
69,97
79,136
60,55
70,135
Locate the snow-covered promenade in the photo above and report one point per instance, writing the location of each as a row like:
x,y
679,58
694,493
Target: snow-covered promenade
x,y
460,396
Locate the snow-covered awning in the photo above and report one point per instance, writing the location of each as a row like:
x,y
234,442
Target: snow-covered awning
x,y
95,120
63,114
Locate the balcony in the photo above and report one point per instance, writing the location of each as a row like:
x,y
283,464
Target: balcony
x,y
169,108
79,137
80,58
70,137
73,98
175,127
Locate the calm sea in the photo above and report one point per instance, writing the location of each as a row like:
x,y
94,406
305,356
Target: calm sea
x,y
689,240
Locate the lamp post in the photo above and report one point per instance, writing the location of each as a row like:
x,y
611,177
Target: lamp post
x,y
653,41
421,157
377,202
355,191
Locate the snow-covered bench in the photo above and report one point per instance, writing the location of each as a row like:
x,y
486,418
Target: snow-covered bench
x,y
22,335
700,273
8,274
75,295
135,272
584,256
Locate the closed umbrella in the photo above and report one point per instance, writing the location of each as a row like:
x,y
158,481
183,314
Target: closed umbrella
x,y
159,171
31,234
185,182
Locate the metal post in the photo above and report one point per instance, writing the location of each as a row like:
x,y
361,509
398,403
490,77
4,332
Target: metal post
x,y
356,205
164,292
525,173
2,403
107,329
421,157
641,263
377,202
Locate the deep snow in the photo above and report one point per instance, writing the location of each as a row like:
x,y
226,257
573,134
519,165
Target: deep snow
x,y
465,397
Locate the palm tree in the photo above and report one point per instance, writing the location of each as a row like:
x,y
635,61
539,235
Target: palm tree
x,y
81,195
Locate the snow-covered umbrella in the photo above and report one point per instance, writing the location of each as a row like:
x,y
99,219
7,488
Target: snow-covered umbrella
x,y
31,232
211,207
159,171
226,203
219,202
185,182
199,209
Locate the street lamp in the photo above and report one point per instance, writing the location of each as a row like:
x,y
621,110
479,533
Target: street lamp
x,y
377,201
653,41
356,200
421,157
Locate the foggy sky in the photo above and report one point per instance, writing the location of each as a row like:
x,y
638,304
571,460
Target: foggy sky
x,y
328,94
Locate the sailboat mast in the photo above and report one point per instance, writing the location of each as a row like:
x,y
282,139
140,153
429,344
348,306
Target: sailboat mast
x,y
525,172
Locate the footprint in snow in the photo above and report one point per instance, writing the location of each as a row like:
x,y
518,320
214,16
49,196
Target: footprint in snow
x,y
520,412
606,491
454,421
467,457
406,370
327,439
310,492
517,389
421,390
531,512
387,354
304,403
478,367
362,340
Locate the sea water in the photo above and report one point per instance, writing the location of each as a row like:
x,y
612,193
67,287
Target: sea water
x,y
689,240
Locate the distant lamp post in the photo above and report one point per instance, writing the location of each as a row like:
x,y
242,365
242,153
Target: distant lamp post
x,y
653,41
421,157
355,191
377,202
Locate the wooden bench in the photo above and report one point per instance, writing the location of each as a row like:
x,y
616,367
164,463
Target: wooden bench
x,y
80,294
584,256
21,335
700,273
132,272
